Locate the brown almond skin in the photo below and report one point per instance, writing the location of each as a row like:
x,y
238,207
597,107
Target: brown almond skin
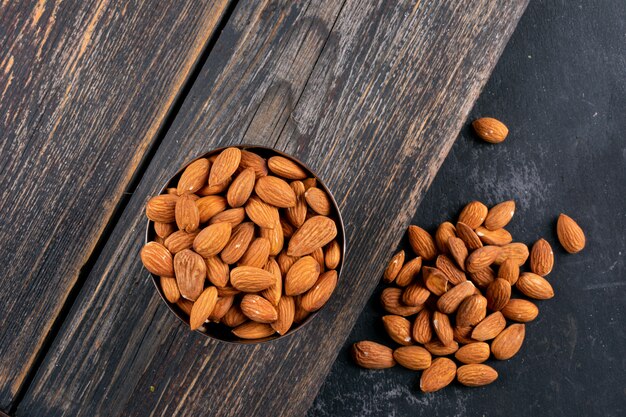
x,y
222,306
490,130
471,311
477,352
391,299
286,168
257,254
437,348
468,236
250,279
500,215
516,251
241,188
217,271
316,232
520,310
415,294
187,214
275,191
233,216
498,294
481,258
435,280
238,243
509,270
286,311
262,214
497,237
422,331
422,243
318,200
254,161
214,189
274,292
489,327
445,231
162,208
253,330
224,166
301,276
450,301
534,286
332,255
285,262
163,230
462,334
258,309
372,355
473,214
297,214
275,237
446,265
483,278
570,235
541,258
458,250
318,295
170,289
203,307
194,177
476,375
415,358
234,316
399,329
439,375
157,259
212,239
508,342
190,273
179,240
408,272
442,327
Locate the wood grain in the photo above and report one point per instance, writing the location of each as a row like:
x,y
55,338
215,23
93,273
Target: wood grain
x,y
373,104
84,88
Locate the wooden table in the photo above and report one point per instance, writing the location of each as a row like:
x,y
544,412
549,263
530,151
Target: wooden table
x,y
102,100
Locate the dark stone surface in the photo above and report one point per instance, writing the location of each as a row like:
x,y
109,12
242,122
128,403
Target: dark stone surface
x,y
561,88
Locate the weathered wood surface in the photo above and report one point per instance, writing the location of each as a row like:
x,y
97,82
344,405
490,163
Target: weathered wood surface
x,y
84,89
371,96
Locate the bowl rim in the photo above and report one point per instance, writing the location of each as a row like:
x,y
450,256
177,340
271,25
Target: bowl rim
x,y
340,235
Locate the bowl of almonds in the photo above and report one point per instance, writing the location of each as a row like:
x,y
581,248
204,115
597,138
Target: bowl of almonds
x,y
244,244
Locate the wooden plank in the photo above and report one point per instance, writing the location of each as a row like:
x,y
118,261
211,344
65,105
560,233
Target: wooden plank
x,y
84,89
375,113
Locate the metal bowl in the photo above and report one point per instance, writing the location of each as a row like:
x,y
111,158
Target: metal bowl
x,y
222,332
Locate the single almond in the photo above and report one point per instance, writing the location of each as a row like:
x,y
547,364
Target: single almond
x,y
157,259
286,168
258,309
214,189
254,161
435,280
398,328
253,330
500,215
241,188
274,292
190,272
422,330
332,255
477,352
541,258
442,327
286,311
222,306
170,289
450,301
476,375
437,348
224,166
212,239
458,250
302,276
372,355
481,258
415,294
516,251
227,291
509,270
498,294
233,216
275,238
570,235
251,279
490,130
285,262
318,255
262,214
415,358
275,191
471,311
534,286
301,314
309,182
257,253
194,177
391,299
234,316
162,208
163,230
445,231
468,236
318,200
483,277
462,334
497,237
473,214
316,232
318,295
520,310
217,271
238,243
508,342
203,307
179,240
439,375
297,213
447,266
408,272
489,327
187,214
422,243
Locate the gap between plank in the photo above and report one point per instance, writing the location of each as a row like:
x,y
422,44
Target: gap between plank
x,y
116,214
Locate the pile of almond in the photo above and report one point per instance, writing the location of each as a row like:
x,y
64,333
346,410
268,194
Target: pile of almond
x,y
245,242
455,300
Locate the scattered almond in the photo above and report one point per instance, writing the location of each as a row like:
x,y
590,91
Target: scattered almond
x,y
570,234
490,130
541,258
476,375
372,355
439,375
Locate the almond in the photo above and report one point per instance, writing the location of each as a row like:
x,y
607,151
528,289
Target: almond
x,y
217,271
318,295
275,191
187,215
490,130
309,182
458,250
415,358
297,213
286,312
473,214
435,280
570,234
422,243
163,230
286,168
450,301
285,262
500,215
162,208
520,310
190,273
318,255
179,240
238,243
224,166
241,188
398,328
391,299
476,375
251,279
481,258
301,276
253,330
194,177
318,201
372,355
233,216
415,294
275,237
437,348
477,352
439,375
261,213
541,258
534,286
516,251
445,231
301,314
214,189
227,291
462,334
170,289
447,266
442,327
287,228
157,259
483,277
274,292
212,239
234,316
497,237
185,306
498,294
254,161
203,307
468,236
222,306
508,342
332,255
258,309
314,233
489,327
409,271
422,331
471,311
509,270
257,253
